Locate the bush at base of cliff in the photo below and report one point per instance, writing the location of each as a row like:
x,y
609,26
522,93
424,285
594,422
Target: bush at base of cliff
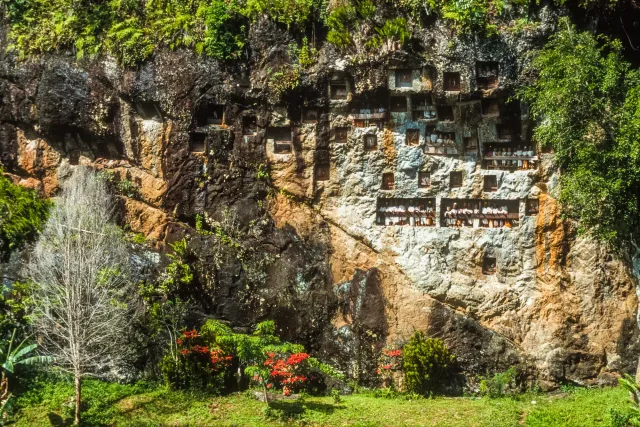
x,y
498,384
427,364
22,214
193,365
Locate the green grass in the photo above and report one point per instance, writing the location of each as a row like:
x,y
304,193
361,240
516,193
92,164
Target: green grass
x,y
149,405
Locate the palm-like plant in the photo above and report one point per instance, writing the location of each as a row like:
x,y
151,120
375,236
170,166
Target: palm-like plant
x,y
10,358
628,383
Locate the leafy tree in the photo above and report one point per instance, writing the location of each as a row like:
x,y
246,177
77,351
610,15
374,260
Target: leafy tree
x,y
79,267
22,214
426,362
586,99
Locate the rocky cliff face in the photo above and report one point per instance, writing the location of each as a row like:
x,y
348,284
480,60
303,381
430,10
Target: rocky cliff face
x,y
312,181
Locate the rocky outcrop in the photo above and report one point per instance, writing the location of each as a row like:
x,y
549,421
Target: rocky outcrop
x,y
300,185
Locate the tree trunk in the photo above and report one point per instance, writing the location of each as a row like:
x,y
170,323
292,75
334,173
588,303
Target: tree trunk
x,y
78,381
266,398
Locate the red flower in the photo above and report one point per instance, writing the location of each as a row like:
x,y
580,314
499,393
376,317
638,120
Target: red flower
x,y
185,351
200,349
190,334
296,358
286,391
269,385
179,341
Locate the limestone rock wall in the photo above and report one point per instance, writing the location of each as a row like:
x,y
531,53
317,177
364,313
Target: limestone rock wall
x,y
193,136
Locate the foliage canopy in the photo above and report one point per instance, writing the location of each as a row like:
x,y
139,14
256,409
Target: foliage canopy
x,y
587,101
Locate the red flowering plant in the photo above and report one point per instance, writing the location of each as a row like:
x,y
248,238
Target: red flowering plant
x,y
196,365
269,362
390,361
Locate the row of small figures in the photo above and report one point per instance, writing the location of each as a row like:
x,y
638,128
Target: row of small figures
x,y
522,164
487,210
527,152
424,221
403,209
479,223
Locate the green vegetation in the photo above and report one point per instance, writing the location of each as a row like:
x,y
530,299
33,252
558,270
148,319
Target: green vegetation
x,y
22,215
147,404
627,382
587,99
498,384
13,357
427,364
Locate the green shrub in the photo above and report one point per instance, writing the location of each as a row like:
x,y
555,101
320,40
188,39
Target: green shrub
x,y
340,22
22,215
288,12
427,363
393,29
497,385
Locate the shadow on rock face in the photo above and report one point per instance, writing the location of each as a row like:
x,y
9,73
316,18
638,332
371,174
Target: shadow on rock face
x,y
356,341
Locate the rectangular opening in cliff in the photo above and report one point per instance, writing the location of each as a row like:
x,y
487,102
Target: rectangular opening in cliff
x,y
279,134
281,137
371,108
340,134
102,150
490,107
489,265
323,170
404,78
398,104
249,125
479,213
424,179
388,181
504,132
423,108
418,212
310,115
440,143
364,123
509,156
451,82
210,113
471,145
412,137
533,206
445,113
148,110
490,183
197,142
455,179
370,142
487,74
338,90
74,157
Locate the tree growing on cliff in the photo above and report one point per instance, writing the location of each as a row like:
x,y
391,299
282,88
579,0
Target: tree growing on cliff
x,y
79,269
586,99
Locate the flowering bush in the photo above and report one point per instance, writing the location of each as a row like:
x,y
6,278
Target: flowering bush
x,y
195,365
286,372
389,361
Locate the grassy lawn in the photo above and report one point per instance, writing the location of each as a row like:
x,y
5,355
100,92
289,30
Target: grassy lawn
x,y
144,405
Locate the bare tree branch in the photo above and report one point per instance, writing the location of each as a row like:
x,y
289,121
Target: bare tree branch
x,y
80,268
